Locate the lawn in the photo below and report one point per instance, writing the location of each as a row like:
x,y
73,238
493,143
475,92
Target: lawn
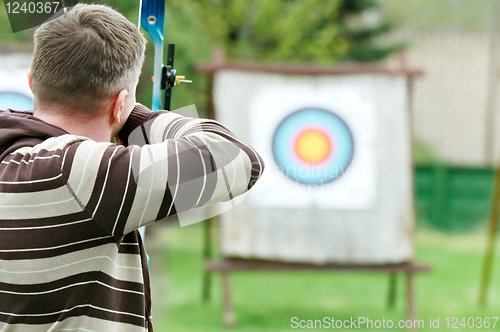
x,y
267,301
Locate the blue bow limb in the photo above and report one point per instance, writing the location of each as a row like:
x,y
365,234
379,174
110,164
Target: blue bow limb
x,y
152,19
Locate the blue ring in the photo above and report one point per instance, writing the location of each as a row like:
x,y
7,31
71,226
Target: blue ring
x,y
15,100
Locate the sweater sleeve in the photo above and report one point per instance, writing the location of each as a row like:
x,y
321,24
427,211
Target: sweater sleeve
x,y
170,164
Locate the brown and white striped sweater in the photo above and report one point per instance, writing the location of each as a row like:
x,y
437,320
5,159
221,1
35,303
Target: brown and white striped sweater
x,y
71,258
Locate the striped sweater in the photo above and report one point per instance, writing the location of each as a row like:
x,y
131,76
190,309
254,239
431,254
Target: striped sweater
x,y
71,258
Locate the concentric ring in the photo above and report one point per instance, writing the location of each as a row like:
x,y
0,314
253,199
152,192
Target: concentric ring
x,y
313,146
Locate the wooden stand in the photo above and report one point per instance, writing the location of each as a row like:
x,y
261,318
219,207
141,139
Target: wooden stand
x,y
227,265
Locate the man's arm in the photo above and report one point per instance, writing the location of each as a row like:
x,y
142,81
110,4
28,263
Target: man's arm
x,y
170,164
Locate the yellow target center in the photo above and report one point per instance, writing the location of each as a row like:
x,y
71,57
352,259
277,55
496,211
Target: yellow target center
x,y
312,146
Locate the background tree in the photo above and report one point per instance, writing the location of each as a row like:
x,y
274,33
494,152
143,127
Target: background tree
x,y
308,31
278,30
360,26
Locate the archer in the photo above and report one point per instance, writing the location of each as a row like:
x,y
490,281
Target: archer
x,y
71,201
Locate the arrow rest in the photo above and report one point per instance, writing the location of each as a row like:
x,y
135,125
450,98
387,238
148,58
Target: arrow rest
x,y
169,78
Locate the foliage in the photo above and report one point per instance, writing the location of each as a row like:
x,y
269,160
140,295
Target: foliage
x,y
362,36
279,30
258,30
6,35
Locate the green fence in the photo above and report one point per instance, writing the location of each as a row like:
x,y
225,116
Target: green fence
x,y
453,198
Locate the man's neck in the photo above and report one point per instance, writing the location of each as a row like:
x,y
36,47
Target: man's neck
x,y
94,128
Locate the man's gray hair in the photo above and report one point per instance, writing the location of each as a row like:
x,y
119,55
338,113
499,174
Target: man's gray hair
x,y
85,57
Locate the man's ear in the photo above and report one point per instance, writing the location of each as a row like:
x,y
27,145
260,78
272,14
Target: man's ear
x,y
118,106
30,79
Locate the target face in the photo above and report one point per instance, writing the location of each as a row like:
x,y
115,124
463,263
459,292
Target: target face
x,y
319,143
313,146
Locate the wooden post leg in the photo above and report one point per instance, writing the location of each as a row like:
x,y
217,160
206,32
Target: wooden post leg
x,y
409,295
229,317
391,298
207,277
490,247
207,254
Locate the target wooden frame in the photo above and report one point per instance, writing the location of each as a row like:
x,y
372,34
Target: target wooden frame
x,y
395,259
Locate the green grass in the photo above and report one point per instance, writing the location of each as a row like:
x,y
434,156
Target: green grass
x,y
266,301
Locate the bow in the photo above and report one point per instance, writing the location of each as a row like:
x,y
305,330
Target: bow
x,y
152,19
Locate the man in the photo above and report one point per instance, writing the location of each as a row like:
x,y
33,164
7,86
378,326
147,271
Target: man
x,y
71,258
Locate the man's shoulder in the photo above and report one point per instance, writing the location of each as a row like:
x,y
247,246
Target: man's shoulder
x,y
50,144
9,111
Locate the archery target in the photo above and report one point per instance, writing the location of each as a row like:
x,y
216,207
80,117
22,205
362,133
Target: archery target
x,y
319,144
14,91
313,139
